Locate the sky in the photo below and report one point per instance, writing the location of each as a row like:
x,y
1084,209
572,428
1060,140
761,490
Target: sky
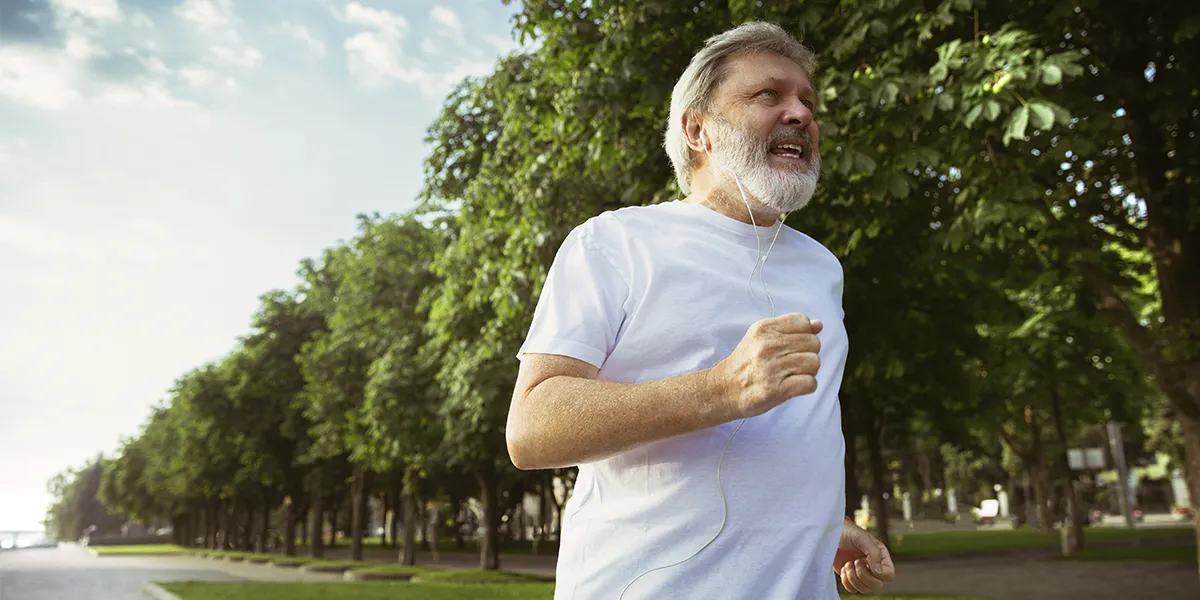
x,y
163,163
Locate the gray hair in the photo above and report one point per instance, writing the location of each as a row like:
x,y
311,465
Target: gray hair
x,y
695,89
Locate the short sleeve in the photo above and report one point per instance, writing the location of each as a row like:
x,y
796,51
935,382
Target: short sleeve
x,y
582,304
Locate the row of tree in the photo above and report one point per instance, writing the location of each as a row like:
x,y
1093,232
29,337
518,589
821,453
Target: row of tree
x,y
1008,186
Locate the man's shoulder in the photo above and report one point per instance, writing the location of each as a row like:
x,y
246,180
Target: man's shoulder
x,y
615,225
631,216
810,245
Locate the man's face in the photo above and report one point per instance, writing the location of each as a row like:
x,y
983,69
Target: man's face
x,y
764,130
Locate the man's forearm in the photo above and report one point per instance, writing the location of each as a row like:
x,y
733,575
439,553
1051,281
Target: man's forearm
x,y
565,421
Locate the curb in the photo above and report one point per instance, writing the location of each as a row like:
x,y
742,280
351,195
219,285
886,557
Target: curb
x,y
152,590
324,569
352,576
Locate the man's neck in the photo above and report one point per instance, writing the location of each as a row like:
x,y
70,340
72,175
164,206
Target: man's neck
x,y
729,202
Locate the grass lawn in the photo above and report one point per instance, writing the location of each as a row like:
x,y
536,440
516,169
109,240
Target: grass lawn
x,y
358,591
140,550
973,541
387,591
396,569
478,576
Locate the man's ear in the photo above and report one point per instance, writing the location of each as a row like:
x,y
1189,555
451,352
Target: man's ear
x,y
693,132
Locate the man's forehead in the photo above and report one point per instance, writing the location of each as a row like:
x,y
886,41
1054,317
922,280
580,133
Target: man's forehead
x,y
764,69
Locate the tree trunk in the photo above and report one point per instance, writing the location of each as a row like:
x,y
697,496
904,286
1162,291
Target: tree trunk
x,y
331,516
408,554
303,514
456,504
1117,446
397,516
853,490
246,536
264,532
289,534
211,512
1191,446
358,511
1074,508
1037,470
422,531
489,550
316,524
878,504
384,540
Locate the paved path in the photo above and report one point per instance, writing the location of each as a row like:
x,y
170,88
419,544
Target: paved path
x,y
70,573
1042,580
998,578
994,577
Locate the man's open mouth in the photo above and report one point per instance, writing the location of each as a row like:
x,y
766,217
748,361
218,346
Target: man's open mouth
x,y
789,149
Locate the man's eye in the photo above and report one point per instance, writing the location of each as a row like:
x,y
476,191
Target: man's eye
x,y
768,93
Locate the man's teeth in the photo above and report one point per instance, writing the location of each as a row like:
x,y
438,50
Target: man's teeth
x,y
789,148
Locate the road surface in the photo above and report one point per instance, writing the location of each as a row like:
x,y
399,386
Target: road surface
x,y
70,572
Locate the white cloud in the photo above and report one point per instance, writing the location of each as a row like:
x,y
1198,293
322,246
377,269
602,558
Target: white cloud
x,y
501,44
446,18
376,57
39,78
96,10
304,36
155,65
206,14
142,95
386,22
39,239
56,79
197,76
140,20
247,56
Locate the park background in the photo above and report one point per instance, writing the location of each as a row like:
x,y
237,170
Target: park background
x,y
1008,186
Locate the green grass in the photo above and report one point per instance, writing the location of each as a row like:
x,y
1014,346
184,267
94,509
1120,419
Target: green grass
x,y
974,541
478,576
358,591
1182,554
140,550
393,569
390,591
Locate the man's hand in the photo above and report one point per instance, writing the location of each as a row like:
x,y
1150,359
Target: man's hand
x,y
776,360
862,562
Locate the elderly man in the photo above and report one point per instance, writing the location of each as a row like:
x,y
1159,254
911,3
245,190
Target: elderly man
x,y
694,384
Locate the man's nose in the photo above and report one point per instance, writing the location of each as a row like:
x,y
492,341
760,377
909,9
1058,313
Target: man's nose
x,y
796,114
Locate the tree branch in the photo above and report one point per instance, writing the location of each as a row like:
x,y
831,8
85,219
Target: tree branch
x,y
1139,336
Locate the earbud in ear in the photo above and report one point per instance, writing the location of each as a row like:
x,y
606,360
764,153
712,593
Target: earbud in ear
x,y
702,140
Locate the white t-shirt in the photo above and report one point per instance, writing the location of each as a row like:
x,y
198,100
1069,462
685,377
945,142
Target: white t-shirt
x,y
649,292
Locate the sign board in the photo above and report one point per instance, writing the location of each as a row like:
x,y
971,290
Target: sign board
x,y
1086,459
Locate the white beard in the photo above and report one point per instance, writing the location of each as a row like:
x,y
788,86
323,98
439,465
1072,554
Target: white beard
x,y
733,149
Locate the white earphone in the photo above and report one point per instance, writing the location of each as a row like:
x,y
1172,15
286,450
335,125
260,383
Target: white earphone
x,y
760,263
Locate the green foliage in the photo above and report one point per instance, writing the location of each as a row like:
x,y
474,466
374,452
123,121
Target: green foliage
x,y
1006,187
76,508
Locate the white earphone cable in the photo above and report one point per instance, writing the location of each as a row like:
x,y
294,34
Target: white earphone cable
x,y
760,262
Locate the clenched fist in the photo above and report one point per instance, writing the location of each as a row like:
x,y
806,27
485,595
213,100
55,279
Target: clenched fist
x,y
776,360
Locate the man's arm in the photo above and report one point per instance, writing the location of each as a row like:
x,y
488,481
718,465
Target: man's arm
x,y
561,415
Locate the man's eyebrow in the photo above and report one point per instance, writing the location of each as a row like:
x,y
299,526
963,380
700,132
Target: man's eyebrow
x,y
806,91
